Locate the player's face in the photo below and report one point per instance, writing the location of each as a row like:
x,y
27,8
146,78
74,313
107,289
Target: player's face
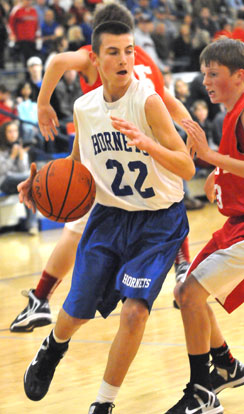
x,y
222,85
116,60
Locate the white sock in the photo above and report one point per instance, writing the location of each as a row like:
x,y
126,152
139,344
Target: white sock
x,y
107,392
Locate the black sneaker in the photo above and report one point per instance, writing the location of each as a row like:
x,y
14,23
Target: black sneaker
x,y
37,313
39,373
227,377
98,408
197,400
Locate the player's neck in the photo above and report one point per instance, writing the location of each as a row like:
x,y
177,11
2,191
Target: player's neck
x,y
112,92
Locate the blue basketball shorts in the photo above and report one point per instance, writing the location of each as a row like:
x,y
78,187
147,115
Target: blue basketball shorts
x,y
124,254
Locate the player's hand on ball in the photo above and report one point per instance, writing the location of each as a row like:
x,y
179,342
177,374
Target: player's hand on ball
x,y
24,189
137,138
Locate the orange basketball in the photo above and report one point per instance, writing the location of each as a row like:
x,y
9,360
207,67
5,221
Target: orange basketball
x,y
63,190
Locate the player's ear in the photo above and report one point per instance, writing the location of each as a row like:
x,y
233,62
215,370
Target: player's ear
x,y
93,57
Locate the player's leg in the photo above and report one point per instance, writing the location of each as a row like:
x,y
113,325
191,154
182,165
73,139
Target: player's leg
x,y
37,312
39,373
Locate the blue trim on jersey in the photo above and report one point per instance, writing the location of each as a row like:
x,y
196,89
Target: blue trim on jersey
x,y
124,254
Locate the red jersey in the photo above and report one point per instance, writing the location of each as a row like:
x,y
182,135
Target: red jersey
x,y
23,22
230,187
144,69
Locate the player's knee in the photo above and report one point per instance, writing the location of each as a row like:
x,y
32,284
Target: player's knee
x,y
134,315
185,296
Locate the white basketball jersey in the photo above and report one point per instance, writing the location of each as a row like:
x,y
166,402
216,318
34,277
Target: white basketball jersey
x,y
125,176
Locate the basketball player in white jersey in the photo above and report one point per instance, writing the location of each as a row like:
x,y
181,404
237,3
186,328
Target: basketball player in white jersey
x,y
126,138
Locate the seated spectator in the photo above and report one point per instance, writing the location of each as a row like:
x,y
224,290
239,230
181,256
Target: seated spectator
x,y
171,27
144,7
200,115
48,34
91,4
41,8
60,45
182,92
205,21
34,75
182,49
67,91
8,110
77,10
59,12
217,124
143,31
27,110
14,168
200,39
86,27
162,44
75,38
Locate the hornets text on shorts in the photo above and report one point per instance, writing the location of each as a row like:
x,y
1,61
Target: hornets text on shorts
x,y
136,282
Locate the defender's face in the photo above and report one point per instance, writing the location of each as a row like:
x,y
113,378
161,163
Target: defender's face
x,y
220,83
116,58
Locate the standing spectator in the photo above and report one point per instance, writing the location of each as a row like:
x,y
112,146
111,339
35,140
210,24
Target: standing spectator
x,y
14,168
24,28
48,34
7,107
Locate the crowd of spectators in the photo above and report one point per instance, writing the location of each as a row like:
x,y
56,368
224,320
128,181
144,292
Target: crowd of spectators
x,y
172,32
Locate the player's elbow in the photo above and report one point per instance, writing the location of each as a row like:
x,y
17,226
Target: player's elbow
x,y
188,171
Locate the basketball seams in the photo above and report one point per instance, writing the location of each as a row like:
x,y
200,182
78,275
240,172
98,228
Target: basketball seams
x,y
67,190
84,199
48,196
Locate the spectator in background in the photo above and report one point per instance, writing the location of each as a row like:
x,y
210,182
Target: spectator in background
x,y
7,107
24,29
144,7
59,12
14,168
182,92
86,27
163,16
3,35
27,111
162,44
34,75
48,34
205,22
217,124
77,10
67,91
200,115
198,91
197,6
200,39
182,49
91,4
41,8
143,32
76,38
60,45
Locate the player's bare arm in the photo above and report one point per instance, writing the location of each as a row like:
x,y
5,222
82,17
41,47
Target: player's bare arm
x,y
79,61
199,141
170,151
75,154
209,187
24,189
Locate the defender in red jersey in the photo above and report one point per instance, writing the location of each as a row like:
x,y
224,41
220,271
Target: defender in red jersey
x,y
218,270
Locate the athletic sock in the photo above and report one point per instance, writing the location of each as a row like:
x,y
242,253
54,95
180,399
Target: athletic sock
x,y
199,365
107,393
56,343
183,254
222,356
46,286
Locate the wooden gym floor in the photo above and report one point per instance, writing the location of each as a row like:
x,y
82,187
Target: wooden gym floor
x,y
159,372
